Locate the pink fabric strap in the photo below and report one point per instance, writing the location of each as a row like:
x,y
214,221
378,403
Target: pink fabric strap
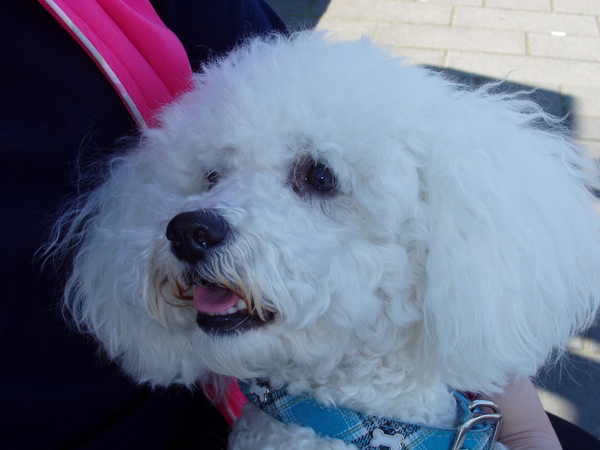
x,y
142,58
231,406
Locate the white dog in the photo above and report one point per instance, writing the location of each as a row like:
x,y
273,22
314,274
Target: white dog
x,y
358,233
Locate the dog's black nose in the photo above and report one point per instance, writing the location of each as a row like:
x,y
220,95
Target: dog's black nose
x,y
193,233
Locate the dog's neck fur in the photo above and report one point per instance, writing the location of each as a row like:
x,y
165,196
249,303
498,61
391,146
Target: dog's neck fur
x,y
391,382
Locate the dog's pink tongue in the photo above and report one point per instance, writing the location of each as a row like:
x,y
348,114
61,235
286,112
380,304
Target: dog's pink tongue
x,y
214,299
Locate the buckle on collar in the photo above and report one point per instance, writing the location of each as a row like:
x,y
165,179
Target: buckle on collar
x,y
478,416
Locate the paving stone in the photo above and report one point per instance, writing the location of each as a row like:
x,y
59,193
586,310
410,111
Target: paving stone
x,y
586,99
474,39
532,5
593,147
348,29
454,2
391,11
543,22
571,391
420,56
577,344
578,6
566,47
587,128
558,404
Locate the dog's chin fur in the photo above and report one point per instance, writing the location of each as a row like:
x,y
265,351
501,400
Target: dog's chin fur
x,y
459,245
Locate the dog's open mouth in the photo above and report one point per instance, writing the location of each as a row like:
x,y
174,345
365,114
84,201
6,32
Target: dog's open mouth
x,y
223,311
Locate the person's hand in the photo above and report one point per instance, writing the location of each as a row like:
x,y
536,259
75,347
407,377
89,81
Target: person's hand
x,y
525,424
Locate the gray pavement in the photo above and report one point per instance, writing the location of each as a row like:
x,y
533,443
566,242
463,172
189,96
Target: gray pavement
x,y
553,45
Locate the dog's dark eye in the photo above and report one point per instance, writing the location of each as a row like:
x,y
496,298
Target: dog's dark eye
x,y
309,177
213,178
320,177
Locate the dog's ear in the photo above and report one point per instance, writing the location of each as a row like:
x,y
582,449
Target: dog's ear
x,y
513,262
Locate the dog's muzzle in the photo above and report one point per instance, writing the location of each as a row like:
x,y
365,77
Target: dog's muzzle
x,y
222,309
194,233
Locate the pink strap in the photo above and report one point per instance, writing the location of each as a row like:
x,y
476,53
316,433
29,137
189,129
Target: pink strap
x,y
143,59
231,407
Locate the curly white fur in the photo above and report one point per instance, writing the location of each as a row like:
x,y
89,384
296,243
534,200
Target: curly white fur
x,y
461,246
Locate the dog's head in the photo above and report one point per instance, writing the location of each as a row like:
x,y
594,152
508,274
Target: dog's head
x,y
314,205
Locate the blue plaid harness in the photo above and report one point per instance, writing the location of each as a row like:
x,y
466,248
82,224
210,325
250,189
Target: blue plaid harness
x,y
478,429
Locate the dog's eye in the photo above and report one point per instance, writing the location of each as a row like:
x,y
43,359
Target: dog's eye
x,y
320,177
213,178
311,177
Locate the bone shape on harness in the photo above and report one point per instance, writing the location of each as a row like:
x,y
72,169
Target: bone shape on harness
x,y
261,390
386,440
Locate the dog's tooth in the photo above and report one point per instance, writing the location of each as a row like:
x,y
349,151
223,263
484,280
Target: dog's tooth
x,y
241,304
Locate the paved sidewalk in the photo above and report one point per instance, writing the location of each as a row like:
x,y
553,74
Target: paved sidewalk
x,y
549,44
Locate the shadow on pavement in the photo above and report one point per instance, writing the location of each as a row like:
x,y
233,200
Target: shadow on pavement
x,y
300,14
552,102
570,390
